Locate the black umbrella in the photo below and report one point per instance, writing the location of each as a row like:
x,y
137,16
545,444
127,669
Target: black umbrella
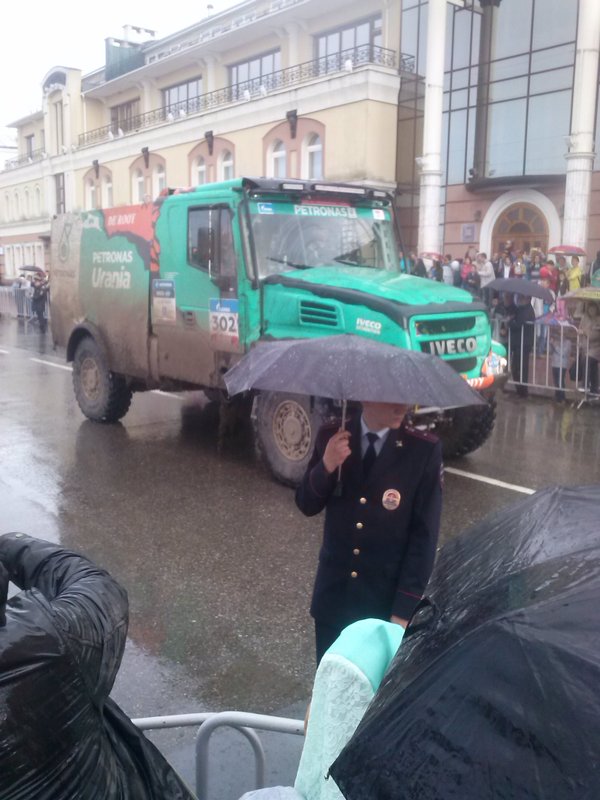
x,y
497,695
350,367
521,286
30,269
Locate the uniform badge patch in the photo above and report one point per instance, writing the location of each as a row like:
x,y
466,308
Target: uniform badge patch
x,y
391,499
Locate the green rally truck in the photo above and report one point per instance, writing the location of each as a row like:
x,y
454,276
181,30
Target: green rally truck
x,y
171,294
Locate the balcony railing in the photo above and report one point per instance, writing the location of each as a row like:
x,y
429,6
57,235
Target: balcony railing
x,y
27,158
344,61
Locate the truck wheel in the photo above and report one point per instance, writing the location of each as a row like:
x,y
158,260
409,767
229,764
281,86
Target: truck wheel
x,y
102,396
285,427
463,430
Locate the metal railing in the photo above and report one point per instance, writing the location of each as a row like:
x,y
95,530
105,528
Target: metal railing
x,y
27,158
15,302
345,60
246,723
554,357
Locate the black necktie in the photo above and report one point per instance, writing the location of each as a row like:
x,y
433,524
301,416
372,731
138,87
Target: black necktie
x,y
370,454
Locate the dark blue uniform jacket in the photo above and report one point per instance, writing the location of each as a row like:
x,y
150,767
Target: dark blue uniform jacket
x,y
375,561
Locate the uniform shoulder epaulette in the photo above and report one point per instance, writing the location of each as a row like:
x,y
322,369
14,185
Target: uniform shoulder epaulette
x,y
426,436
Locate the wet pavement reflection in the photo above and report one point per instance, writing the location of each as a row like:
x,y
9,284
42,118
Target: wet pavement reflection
x,y
216,559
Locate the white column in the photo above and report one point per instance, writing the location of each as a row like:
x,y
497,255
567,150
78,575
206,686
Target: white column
x,y
430,162
580,155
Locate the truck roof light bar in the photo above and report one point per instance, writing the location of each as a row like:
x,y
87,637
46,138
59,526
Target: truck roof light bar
x,y
322,187
292,187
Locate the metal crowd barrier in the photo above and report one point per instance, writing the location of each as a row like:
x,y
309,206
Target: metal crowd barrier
x,y
540,366
15,302
246,723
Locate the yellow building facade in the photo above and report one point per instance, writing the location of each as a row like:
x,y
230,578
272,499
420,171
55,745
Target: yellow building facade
x,y
269,88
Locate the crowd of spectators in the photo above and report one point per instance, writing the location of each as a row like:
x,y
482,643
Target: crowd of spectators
x,y
476,270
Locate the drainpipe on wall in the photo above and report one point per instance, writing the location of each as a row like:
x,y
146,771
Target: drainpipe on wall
x,y
580,155
430,163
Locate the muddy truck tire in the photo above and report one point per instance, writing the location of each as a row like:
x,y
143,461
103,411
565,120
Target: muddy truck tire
x,y
102,396
464,430
285,427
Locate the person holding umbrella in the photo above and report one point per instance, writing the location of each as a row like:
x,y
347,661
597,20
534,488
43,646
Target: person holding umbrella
x,y
380,483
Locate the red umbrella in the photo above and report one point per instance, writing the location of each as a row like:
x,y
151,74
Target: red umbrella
x,y
566,250
433,256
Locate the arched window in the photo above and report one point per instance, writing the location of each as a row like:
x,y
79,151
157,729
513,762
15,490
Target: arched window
x,y
27,197
199,171
38,202
159,179
277,167
17,206
90,194
313,157
107,192
137,186
7,208
226,172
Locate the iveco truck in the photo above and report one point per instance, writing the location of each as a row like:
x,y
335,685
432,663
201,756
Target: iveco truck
x,y
172,293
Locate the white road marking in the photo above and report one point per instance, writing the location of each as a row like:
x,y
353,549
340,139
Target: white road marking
x,y
51,364
492,481
167,394
70,369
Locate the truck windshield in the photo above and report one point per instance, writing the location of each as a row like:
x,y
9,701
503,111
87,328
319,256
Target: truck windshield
x,y
309,234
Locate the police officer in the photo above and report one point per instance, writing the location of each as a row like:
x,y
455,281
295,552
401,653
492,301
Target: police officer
x,y
382,518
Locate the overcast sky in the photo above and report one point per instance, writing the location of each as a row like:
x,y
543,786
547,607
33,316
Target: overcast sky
x,y
38,36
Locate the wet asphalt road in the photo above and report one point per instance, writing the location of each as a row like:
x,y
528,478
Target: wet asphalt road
x,y
216,559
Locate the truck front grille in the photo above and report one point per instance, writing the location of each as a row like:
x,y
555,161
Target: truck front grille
x,y
461,365
459,340
313,313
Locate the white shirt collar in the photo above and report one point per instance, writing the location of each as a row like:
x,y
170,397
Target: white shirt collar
x,y
365,429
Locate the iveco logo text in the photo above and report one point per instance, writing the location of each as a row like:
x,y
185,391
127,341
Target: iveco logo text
x,y
445,347
369,325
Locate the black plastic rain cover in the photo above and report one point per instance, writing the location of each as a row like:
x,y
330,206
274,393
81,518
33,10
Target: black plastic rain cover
x,y
61,738
498,696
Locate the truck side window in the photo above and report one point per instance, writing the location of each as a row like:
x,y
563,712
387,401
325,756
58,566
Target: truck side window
x,y
200,238
210,241
227,260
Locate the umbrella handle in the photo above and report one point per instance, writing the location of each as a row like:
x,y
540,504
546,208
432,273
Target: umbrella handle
x,y
338,487
424,605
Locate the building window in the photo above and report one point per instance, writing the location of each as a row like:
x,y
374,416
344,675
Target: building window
x,y
357,43
59,126
90,194
17,206
226,172
159,179
123,117
7,208
59,186
509,70
183,96
313,157
107,192
199,172
277,161
247,77
29,145
38,202
137,187
27,203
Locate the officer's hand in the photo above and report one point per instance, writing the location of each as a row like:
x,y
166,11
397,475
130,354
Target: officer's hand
x,y
337,450
399,620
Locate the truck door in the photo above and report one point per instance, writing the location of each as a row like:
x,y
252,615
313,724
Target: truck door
x,y
194,304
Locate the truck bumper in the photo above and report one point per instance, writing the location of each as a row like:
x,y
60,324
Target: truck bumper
x,y
488,384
